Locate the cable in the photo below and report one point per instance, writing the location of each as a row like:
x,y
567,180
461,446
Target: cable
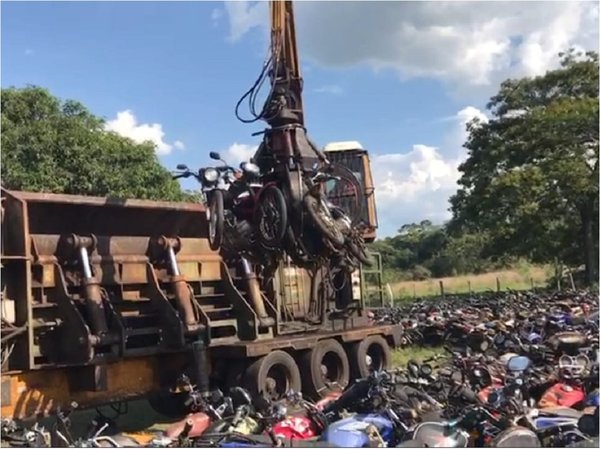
x,y
251,94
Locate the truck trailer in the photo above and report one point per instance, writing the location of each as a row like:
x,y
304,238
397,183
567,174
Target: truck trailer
x,y
105,300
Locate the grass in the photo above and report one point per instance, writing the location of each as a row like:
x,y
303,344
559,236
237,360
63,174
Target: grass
x,y
401,356
519,278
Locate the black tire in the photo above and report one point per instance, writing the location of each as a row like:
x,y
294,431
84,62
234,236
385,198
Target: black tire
x,y
377,348
264,219
216,220
355,210
323,220
360,252
273,375
169,404
327,362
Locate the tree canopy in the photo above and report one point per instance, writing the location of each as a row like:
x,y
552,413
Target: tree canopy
x,y
421,250
530,182
58,146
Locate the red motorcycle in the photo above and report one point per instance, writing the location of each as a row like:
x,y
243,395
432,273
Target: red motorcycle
x,y
239,207
304,425
569,391
255,211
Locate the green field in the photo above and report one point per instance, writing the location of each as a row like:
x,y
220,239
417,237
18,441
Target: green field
x,y
515,279
401,356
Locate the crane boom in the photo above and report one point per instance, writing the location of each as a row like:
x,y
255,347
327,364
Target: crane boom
x,y
286,79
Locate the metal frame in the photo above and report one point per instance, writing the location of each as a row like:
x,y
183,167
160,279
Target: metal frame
x,y
376,270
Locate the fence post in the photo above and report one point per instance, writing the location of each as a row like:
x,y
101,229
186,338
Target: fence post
x,y
469,283
442,289
557,273
414,291
531,279
572,281
390,294
497,284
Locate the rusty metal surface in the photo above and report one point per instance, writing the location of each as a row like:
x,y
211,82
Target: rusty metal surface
x,y
33,197
57,213
306,341
40,392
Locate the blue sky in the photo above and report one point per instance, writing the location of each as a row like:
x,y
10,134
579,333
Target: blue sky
x,y
403,87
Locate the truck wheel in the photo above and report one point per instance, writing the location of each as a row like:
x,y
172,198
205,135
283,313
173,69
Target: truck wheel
x,y
273,375
325,368
169,404
372,353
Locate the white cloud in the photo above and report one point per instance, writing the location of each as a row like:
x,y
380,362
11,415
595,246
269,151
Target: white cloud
x,y
416,185
330,89
467,44
126,125
216,14
236,153
243,16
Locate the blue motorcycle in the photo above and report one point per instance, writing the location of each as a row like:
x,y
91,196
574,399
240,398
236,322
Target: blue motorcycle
x,y
377,419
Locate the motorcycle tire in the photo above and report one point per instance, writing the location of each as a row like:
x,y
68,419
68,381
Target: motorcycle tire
x,y
216,220
323,220
360,252
516,437
274,196
168,404
355,211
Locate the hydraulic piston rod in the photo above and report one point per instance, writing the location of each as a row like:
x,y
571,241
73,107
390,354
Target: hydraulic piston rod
x,y
94,304
181,289
264,319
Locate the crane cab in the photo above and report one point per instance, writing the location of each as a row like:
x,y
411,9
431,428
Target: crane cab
x,y
354,157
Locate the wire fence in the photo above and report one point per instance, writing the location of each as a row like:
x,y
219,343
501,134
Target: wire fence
x,y
390,295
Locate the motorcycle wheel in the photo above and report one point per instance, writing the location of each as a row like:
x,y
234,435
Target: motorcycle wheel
x,y
353,206
360,252
271,217
168,404
323,220
215,220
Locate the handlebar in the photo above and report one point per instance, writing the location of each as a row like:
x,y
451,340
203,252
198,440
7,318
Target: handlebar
x,y
186,174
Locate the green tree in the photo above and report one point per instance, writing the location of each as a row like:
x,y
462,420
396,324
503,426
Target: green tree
x,y
58,146
530,181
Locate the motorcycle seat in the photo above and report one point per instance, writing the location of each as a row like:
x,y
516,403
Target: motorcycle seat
x,y
561,411
570,338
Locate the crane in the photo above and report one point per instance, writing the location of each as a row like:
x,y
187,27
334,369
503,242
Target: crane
x,y
283,108
285,78
288,156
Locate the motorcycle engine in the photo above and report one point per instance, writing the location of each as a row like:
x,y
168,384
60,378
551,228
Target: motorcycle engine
x,y
238,235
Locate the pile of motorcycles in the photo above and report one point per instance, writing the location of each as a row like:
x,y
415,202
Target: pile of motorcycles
x,y
518,370
508,319
252,213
